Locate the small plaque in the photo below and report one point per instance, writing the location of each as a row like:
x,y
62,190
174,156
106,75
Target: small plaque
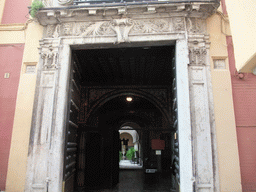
x,y
219,64
151,170
6,75
30,69
158,152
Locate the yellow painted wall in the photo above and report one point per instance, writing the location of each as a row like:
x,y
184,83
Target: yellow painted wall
x,y
242,16
11,37
228,159
2,3
23,114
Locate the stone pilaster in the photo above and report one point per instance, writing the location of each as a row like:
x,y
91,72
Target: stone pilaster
x,y
45,157
201,105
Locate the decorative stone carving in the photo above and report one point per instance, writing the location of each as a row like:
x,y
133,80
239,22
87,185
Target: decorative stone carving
x,y
94,29
150,26
178,24
196,25
65,2
67,29
122,28
81,27
53,31
56,32
197,56
50,30
49,59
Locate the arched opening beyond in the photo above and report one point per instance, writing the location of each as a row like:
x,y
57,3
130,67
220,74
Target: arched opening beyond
x,y
141,101
144,99
112,115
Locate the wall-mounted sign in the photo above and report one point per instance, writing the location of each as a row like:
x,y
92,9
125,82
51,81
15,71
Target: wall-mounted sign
x,y
157,144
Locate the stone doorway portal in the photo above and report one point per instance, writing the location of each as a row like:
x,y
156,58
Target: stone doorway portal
x,y
149,88
54,79
71,31
147,78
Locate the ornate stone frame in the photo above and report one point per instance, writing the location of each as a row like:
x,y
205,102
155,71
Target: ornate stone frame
x,y
198,160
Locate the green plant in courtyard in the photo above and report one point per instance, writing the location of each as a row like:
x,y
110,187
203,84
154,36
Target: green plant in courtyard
x,y
130,153
36,5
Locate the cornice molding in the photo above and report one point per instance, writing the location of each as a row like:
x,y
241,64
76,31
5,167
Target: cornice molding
x,y
58,15
13,27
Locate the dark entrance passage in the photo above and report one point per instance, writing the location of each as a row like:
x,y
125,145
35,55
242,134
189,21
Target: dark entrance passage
x,y
103,80
137,181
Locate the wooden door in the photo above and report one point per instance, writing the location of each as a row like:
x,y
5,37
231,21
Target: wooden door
x,y
115,158
90,158
93,147
70,152
175,163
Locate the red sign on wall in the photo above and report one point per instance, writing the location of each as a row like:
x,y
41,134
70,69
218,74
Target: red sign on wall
x,y
157,144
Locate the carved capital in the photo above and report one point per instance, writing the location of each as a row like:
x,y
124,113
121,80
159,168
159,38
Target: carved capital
x,y
50,58
197,56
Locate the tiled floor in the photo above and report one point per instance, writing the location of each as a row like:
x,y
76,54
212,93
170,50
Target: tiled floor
x,y
137,181
133,179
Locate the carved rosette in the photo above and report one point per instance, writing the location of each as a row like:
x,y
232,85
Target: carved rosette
x,y
197,56
50,58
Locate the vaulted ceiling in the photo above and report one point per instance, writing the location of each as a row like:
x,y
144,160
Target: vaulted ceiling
x,y
126,66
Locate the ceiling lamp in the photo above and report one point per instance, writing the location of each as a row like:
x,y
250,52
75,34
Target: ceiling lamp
x,y
129,99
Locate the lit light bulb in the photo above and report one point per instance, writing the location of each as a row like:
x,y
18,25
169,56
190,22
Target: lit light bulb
x,y
129,99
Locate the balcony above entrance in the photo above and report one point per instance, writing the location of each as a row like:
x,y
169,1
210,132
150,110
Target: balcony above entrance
x,y
58,11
